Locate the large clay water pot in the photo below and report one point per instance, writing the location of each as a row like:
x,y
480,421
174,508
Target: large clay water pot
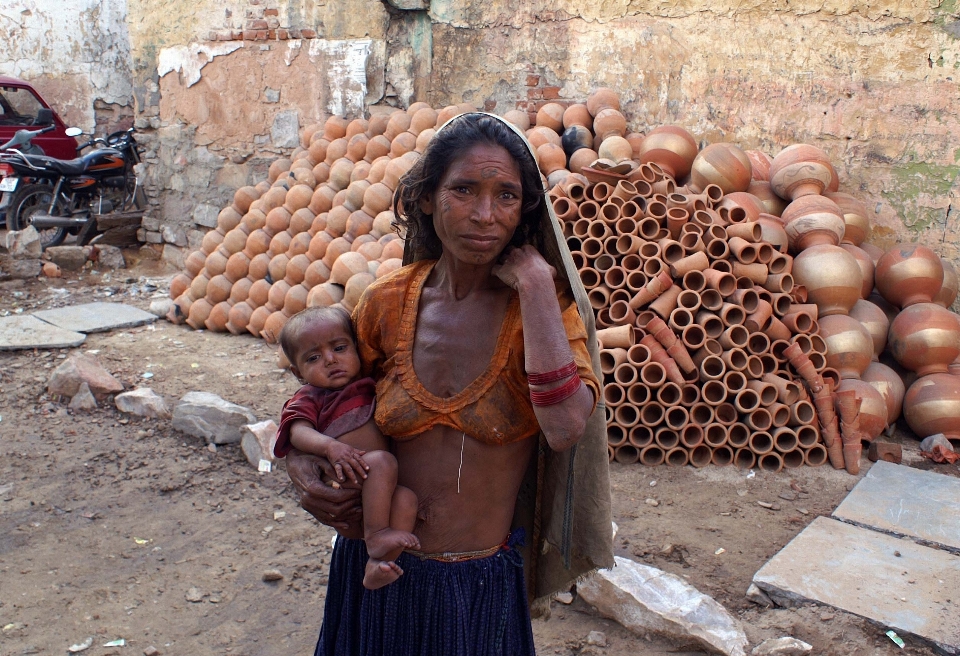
x,y
800,170
812,220
888,382
672,147
932,405
602,98
925,338
722,164
849,345
760,164
873,409
908,274
875,321
773,232
948,291
772,204
855,217
831,276
867,268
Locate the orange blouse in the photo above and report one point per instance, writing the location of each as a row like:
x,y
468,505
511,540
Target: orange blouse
x,y
493,409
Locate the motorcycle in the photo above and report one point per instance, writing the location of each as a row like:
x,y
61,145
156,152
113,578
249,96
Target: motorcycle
x,y
21,141
85,196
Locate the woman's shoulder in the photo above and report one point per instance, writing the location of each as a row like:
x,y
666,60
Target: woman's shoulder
x,y
389,291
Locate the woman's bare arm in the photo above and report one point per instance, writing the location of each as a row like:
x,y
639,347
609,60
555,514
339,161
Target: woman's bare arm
x,y
545,344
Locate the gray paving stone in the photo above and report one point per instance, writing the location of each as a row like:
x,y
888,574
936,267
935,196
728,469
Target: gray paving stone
x,y
893,581
28,332
95,317
906,501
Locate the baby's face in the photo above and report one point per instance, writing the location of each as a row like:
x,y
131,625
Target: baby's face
x,y
328,357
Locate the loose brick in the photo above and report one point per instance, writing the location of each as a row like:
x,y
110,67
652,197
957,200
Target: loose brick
x,y
295,33
272,35
533,80
283,34
271,12
256,24
534,94
308,34
249,35
551,93
261,35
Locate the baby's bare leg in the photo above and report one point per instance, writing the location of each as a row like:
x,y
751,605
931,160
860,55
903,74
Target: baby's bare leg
x,y
389,514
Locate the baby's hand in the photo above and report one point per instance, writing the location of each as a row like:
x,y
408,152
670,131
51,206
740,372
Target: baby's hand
x,y
347,462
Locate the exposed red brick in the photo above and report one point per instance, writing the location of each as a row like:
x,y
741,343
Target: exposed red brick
x,y
551,93
534,94
308,34
226,35
272,35
249,35
256,24
261,35
271,12
283,34
489,105
533,80
294,33
533,118
212,36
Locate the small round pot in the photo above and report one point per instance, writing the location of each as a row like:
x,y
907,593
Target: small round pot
x,y
925,338
932,405
875,321
888,382
908,274
831,277
849,344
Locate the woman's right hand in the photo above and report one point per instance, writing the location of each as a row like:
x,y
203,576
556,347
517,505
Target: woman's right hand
x,y
338,509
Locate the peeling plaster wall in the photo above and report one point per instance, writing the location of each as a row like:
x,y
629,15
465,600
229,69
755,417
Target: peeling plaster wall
x,y
77,52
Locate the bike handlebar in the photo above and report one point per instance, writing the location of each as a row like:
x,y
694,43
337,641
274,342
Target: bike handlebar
x,y
23,137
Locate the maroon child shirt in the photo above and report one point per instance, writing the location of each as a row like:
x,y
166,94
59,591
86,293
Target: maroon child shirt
x,y
332,412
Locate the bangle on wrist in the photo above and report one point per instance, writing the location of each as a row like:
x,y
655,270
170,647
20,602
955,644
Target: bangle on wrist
x,y
558,394
562,373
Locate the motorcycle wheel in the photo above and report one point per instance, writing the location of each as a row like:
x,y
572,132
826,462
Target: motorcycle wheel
x,y
29,200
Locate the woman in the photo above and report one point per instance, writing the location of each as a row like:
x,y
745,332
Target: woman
x,y
477,351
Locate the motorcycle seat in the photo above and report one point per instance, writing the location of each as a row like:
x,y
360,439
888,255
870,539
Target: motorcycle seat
x,y
61,166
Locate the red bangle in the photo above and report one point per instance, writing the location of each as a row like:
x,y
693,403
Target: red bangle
x,y
562,373
557,395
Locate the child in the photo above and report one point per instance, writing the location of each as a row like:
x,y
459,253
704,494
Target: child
x,y
331,416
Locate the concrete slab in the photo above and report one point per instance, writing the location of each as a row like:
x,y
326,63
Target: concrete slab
x,y
96,317
895,582
906,501
27,332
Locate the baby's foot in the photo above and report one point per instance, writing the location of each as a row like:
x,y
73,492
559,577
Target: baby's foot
x,y
389,540
379,573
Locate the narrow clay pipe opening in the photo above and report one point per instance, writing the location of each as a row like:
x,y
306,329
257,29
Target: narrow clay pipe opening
x,y
626,454
777,348
710,299
625,374
718,249
689,394
744,459
779,263
614,394
722,456
735,359
599,297
738,435
715,435
638,394
669,394
815,456
654,266
734,381
599,230
798,322
761,442
640,436
733,214
712,368
689,300
609,213
768,364
651,414
657,211
574,243
801,413
781,283
651,456
579,259
818,359
666,438
611,358
648,227
744,283
693,281
743,250
625,226
807,436
709,322
642,184
701,414
638,355
632,262
780,414
792,459
643,318
766,392
599,191
691,241
702,218
676,417
652,374
631,210
589,210
746,401
713,392
710,347
726,414
678,457
592,247
785,440
636,280
765,253
590,278
671,251
621,313
746,298
568,228
771,462
623,295
610,246
736,336
731,314
804,342
626,415
616,435
680,318
581,227
760,419
817,343
758,344
724,283
700,456
693,337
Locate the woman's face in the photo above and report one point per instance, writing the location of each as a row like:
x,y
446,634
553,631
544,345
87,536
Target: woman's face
x,y
477,205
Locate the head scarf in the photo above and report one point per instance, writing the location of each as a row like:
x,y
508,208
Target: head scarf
x,y
564,502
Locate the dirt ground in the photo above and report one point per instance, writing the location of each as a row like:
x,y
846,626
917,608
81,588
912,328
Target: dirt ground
x,y
116,527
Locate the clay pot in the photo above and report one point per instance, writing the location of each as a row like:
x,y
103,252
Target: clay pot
x,y
257,319
199,311
259,293
518,118
800,170
948,291
240,290
576,137
873,407
615,148
296,269
317,273
272,327
831,277
388,266
875,321
578,114
849,346
932,405
551,116
278,220
773,232
295,300
609,123
280,243
194,263
243,197
888,382
855,217
325,295
211,240
672,147
772,204
760,164
298,197
739,207
239,317
228,219
867,267
393,249
346,266
602,98
237,267
722,164
550,158
924,338
355,288
278,267
179,284
218,317
908,274
582,158
812,220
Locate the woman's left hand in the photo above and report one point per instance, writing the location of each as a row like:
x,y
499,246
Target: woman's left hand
x,y
522,265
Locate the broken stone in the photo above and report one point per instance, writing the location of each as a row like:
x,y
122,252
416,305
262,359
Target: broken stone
x,y
175,235
647,600
205,215
652,502
20,269
939,439
24,244
194,596
758,596
272,575
786,646
151,651
206,415
82,368
285,132
83,399
886,451
597,639
110,257
51,270
173,255
71,258
257,442
788,495
161,306
565,598
143,402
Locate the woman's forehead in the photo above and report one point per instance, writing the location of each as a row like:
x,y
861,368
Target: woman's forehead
x,y
484,160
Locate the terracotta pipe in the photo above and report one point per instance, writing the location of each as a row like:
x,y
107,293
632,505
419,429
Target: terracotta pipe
x,y
636,280
615,278
832,375
651,456
757,319
712,325
760,442
632,262
599,191
693,337
611,454
700,456
670,251
799,294
702,413
573,188
603,319
689,300
768,364
765,391
696,262
724,283
665,186
625,226
722,456
565,209
756,273
829,426
658,354
712,367
638,394
735,359
624,190
651,414
589,210
610,246
713,393
723,266
638,355
667,301
745,298
765,253
738,435
652,290
785,439
648,227
710,347
599,297
640,436
771,462
744,459
749,232
754,368
643,318
733,214
726,414
616,435
610,214
667,438
805,342
718,250
626,415
746,401
579,259
592,247
653,374
590,278
676,218
617,337
599,230
622,294
621,314
807,436
848,407
676,417
693,281
689,395
715,435
776,330
581,228
734,381
657,211
625,374
692,242
780,414
610,359
802,413
787,391
758,344
744,251
654,266
714,232
734,336
677,199
710,299
677,457
781,283
780,263
798,322
614,394
815,456
626,454
704,219
669,394
680,318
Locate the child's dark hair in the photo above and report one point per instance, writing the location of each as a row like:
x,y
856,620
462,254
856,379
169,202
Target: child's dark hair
x,y
292,329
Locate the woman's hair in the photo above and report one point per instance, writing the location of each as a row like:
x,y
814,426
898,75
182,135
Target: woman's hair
x,y
290,335
446,146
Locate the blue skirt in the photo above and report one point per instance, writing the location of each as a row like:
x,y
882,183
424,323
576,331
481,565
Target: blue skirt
x,y
471,608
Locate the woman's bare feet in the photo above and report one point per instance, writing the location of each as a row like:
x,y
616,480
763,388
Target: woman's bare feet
x,y
380,573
